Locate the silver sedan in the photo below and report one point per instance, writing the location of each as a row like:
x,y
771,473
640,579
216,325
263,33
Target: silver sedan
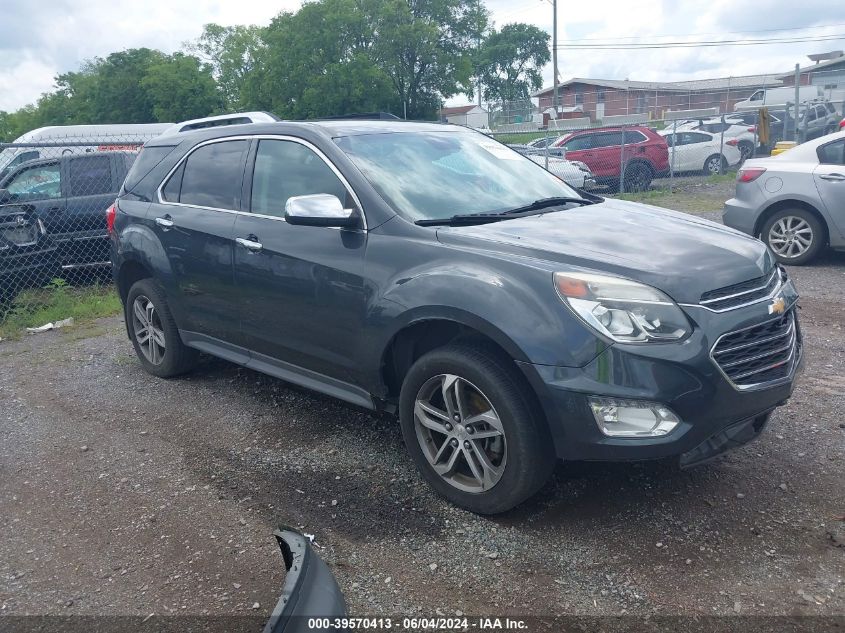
x,y
795,202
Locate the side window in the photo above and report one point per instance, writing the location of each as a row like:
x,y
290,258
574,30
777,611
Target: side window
x,y
211,177
39,182
584,141
832,153
633,136
821,112
607,139
698,138
757,96
90,176
24,157
811,115
284,169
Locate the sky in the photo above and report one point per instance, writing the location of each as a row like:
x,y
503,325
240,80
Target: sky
x,y
37,44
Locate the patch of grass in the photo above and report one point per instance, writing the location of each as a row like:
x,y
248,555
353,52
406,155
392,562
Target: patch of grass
x,y
55,302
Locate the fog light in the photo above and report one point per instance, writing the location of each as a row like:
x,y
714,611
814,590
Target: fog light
x,y
632,418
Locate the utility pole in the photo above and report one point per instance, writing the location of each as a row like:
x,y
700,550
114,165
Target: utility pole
x,y
478,48
554,53
795,136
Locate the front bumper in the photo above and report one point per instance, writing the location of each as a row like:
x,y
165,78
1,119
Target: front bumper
x,y
715,415
311,600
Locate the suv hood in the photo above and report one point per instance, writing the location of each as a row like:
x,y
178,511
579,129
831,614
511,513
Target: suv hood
x,y
681,255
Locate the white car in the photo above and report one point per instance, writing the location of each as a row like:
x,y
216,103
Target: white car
x,y
700,152
737,133
572,172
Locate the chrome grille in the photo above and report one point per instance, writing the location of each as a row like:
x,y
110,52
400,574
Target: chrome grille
x,y
759,354
737,295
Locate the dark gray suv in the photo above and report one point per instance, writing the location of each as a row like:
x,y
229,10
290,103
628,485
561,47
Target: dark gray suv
x,y
431,272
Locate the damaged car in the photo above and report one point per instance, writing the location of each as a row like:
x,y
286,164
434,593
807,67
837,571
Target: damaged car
x,y
430,272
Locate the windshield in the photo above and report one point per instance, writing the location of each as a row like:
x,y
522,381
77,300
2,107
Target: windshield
x,y
437,175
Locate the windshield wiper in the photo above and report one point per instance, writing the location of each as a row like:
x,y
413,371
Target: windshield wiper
x,y
543,203
463,220
487,218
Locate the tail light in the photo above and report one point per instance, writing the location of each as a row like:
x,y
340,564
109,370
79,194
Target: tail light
x,y
749,174
752,129
111,212
732,142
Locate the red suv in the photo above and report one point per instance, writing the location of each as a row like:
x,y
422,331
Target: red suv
x,y
646,154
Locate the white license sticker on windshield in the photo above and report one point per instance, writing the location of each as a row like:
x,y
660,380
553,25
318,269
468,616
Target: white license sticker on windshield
x,y
500,151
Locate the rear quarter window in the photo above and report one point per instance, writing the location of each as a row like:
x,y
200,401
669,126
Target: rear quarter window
x,y
147,160
832,153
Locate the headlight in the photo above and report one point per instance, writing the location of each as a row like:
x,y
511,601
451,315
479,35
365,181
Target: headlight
x,y
581,166
623,310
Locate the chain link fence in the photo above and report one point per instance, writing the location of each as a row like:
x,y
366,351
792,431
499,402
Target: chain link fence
x,y
54,194
628,136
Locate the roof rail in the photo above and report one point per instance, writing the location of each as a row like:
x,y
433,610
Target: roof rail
x,y
235,118
367,116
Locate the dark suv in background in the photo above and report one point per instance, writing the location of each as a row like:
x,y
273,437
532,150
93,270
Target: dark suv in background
x,y
70,195
431,272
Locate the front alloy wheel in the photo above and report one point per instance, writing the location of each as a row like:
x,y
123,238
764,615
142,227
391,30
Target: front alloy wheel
x,y
471,427
147,329
460,433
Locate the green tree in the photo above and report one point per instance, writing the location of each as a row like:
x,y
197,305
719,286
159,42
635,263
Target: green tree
x,y
180,87
511,61
120,95
426,48
318,62
232,52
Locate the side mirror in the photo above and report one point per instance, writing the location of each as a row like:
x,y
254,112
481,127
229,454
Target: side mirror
x,y
6,196
319,209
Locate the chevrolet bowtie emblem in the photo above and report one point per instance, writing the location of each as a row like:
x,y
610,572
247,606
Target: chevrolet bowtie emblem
x,y
777,306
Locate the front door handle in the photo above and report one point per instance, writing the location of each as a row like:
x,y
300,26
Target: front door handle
x,y
165,222
249,244
833,177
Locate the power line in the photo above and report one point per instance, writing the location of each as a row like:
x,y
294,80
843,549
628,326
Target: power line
x,y
631,37
701,44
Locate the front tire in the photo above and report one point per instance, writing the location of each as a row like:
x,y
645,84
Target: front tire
x,y
714,165
472,431
154,333
795,236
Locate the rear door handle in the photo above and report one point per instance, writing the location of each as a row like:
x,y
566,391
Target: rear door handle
x,y
165,222
249,244
833,177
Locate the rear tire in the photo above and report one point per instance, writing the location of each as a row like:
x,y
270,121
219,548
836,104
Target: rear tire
x,y
638,177
154,333
503,457
746,149
795,236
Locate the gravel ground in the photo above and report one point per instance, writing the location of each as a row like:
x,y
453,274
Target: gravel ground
x,y
121,493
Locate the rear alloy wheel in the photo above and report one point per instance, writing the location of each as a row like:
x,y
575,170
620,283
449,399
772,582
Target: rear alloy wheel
x,y
471,431
714,165
637,177
795,236
154,333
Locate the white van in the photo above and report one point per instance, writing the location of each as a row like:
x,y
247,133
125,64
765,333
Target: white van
x,y
60,140
770,97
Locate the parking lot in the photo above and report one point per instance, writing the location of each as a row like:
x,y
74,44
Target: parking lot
x,y
125,494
